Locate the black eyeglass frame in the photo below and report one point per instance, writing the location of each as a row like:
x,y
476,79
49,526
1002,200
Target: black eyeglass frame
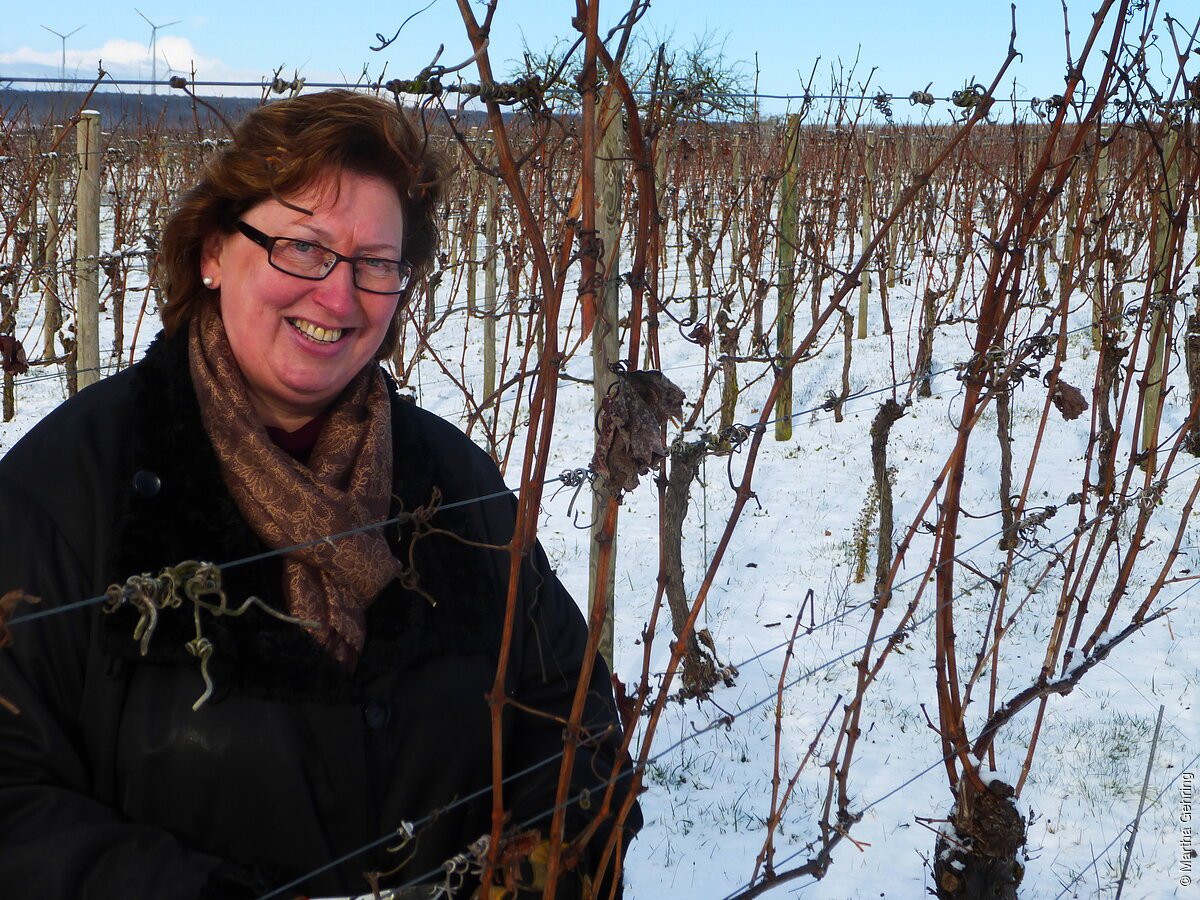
x,y
267,242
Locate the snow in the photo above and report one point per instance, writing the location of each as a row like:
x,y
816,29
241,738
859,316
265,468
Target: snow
x,y
709,775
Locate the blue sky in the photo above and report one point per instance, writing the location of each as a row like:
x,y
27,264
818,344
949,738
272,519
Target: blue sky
x,y
910,44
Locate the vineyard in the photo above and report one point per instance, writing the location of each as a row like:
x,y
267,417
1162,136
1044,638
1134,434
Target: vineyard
x,y
868,442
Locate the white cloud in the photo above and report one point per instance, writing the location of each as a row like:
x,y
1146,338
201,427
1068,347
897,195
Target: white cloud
x,y
116,52
126,59
120,58
29,56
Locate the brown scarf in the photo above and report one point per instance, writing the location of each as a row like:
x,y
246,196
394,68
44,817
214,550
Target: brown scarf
x,y
347,484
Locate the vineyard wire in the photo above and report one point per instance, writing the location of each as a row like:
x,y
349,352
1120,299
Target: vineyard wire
x,y
858,395
60,376
264,84
1096,859
926,771
422,822
370,526
696,733
912,780
865,392
939,762
1186,738
391,521
720,721
724,720
922,574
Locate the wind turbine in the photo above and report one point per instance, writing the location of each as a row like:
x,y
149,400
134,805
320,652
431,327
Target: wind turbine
x,y
170,68
62,71
154,48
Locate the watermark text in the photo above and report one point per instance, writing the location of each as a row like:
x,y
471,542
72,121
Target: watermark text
x,y
1187,850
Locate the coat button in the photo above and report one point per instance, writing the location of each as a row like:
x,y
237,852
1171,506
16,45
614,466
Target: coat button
x,y
377,714
147,483
115,668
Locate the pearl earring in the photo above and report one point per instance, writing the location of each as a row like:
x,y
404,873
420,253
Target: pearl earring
x,y
208,282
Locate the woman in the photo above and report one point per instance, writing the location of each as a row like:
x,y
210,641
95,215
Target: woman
x,y
351,696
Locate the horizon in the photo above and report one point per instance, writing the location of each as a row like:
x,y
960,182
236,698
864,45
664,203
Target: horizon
x,y
858,48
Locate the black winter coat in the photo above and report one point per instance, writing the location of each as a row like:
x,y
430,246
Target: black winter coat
x,y
110,784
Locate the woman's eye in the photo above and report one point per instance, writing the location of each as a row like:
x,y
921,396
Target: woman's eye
x,y
378,265
303,248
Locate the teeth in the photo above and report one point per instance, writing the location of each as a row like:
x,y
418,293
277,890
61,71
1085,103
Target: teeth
x,y
318,334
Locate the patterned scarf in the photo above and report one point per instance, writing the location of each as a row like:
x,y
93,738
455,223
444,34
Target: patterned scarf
x,y
347,484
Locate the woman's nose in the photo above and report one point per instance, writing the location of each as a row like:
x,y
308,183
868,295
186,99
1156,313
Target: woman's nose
x,y
336,291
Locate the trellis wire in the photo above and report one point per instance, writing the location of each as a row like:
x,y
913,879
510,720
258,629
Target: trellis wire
x,y
1187,767
723,720
915,97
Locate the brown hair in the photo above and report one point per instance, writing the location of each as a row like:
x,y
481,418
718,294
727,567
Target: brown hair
x,y
279,150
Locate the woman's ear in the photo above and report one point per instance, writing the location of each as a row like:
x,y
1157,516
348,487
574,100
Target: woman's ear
x,y
210,261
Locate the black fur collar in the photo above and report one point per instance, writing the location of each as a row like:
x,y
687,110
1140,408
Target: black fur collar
x,y
191,515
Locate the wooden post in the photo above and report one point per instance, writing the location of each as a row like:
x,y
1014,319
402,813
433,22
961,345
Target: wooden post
x,y
606,346
491,288
1071,249
694,246
1191,356
470,241
1100,306
895,252
8,323
87,249
786,254
660,181
1163,236
735,214
867,227
52,322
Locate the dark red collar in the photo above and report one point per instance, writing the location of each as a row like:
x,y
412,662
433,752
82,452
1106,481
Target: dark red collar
x,y
299,443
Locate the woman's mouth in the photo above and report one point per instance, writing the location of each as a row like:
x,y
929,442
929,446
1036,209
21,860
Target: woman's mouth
x,y
316,332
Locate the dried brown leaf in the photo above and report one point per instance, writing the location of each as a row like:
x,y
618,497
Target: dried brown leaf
x,y
1069,401
701,335
629,441
12,356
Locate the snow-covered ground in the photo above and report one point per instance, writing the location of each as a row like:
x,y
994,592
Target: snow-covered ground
x,y
709,783
710,772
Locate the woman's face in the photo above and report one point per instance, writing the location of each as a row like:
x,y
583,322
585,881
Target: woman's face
x,y
299,342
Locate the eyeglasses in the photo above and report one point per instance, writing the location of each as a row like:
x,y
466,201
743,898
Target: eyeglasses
x,y
309,260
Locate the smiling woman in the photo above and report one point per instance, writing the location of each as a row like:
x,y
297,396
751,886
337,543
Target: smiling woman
x,y
300,338
201,755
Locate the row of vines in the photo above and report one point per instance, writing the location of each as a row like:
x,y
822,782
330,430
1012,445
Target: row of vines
x,y
720,287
